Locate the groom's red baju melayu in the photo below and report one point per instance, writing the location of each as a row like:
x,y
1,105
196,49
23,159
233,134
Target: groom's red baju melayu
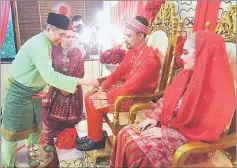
x,y
139,70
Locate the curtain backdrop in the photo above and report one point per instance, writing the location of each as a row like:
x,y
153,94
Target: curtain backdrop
x,y
133,8
4,14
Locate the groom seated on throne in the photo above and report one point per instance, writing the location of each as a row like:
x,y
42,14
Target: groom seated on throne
x,y
139,72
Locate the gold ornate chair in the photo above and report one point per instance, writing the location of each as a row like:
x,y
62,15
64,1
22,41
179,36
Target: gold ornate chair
x,y
224,150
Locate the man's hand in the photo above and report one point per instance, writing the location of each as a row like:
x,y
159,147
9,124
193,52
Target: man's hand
x,y
92,92
101,89
39,95
95,91
154,132
93,82
99,96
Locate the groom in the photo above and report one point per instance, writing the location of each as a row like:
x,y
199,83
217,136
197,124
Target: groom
x,y
139,70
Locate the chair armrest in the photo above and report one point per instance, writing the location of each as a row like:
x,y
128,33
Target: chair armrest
x,y
185,150
144,97
120,99
135,108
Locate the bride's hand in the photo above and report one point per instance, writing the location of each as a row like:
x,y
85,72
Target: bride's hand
x,y
148,123
154,132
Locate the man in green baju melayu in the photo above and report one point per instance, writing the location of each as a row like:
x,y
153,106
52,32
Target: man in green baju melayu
x,y
31,73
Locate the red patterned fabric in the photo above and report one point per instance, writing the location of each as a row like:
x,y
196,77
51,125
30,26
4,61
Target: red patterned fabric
x,y
133,150
155,110
135,25
103,104
209,101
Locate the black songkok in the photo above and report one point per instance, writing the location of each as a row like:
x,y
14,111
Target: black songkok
x,y
59,21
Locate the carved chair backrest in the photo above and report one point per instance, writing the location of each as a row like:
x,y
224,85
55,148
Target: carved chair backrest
x,y
163,36
226,27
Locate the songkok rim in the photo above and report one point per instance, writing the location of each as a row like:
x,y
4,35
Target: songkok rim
x,y
134,24
59,21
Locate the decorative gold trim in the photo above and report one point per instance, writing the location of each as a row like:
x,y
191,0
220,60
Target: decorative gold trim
x,y
226,27
207,25
165,19
135,108
17,136
184,151
95,154
171,66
